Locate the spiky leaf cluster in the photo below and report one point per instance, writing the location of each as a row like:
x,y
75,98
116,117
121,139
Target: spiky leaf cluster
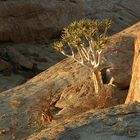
x,y
79,32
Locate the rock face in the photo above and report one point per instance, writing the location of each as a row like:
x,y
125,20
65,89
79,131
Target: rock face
x,y
18,105
121,12
119,55
23,61
4,65
8,82
115,123
134,91
67,86
29,20
45,19
18,58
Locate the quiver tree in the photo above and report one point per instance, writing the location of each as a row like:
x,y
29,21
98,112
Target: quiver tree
x,y
87,38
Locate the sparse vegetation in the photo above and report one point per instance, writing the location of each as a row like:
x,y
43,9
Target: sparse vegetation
x,y
87,38
41,111
46,115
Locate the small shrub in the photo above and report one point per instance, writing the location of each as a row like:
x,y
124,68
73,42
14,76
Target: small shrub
x,y
87,38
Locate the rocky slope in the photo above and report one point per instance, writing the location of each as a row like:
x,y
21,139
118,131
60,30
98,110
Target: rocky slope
x,y
20,62
122,12
19,106
59,103
120,122
28,20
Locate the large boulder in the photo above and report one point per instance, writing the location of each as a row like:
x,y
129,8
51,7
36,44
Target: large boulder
x,y
120,122
123,13
118,59
25,62
30,20
134,91
18,104
119,56
17,58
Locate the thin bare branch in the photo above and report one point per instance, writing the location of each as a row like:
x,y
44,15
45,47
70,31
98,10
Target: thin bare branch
x,y
71,49
99,58
86,54
66,54
95,82
80,62
81,56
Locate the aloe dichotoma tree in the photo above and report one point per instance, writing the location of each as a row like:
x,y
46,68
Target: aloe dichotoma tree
x,y
86,38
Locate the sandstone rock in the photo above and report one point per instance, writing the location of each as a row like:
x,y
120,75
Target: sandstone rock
x,y
16,57
45,19
121,12
81,95
134,91
18,104
10,81
41,54
44,59
36,19
119,55
120,122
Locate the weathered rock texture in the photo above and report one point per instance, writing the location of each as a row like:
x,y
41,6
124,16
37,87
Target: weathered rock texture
x,y
134,91
123,13
4,65
20,62
18,104
119,55
18,58
26,20
115,123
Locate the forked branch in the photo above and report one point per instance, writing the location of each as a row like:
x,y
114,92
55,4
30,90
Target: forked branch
x,y
87,38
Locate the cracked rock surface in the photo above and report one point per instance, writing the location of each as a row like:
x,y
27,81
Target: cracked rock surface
x,y
18,105
45,19
120,122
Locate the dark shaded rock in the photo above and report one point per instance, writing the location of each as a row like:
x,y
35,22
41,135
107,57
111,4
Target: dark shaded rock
x,y
5,67
16,57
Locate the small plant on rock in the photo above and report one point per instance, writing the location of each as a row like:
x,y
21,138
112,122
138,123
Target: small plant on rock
x,y
87,38
41,111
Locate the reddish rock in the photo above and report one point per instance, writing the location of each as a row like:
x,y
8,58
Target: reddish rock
x,y
119,55
134,91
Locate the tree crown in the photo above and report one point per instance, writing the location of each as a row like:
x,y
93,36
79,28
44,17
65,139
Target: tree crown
x,y
79,33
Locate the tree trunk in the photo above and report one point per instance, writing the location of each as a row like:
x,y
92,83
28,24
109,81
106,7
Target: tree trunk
x,y
98,82
134,90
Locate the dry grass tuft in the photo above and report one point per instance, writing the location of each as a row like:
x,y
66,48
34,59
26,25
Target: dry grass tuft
x,y
97,101
41,111
45,110
103,99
